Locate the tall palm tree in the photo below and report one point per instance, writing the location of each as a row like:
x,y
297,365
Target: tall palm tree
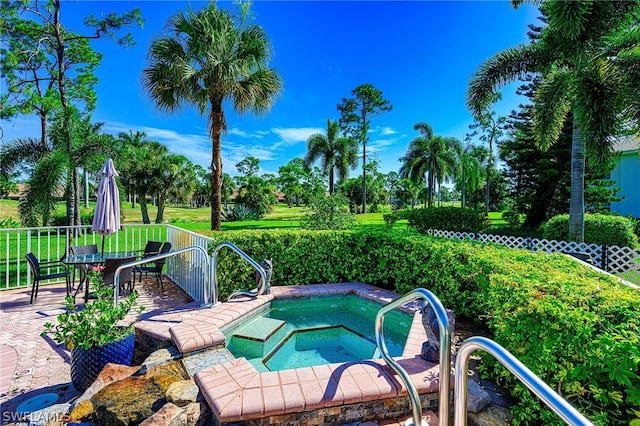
x,y
337,153
430,156
587,57
205,59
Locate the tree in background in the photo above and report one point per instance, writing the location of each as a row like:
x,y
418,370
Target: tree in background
x,y
75,142
290,180
587,59
407,191
48,68
254,192
228,188
186,68
392,180
470,175
141,168
490,128
336,153
174,181
375,189
431,157
355,119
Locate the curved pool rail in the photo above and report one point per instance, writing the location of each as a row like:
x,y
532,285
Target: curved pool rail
x,y
445,354
259,291
555,402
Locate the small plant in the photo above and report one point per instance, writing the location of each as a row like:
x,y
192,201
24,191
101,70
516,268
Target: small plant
x,y
99,323
240,212
9,223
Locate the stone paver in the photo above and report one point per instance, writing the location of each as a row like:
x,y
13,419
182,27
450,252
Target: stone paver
x,y
41,365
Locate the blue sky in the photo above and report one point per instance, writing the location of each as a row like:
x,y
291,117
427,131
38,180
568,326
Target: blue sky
x,y
420,54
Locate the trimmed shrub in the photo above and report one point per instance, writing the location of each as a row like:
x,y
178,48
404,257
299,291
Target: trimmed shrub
x,y
598,229
60,219
575,328
447,219
330,212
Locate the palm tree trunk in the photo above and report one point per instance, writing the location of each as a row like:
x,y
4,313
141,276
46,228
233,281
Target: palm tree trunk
x,y
464,177
160,212
216,122
144,210
576,204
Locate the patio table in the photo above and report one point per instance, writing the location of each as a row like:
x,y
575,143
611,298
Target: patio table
x,y
93,259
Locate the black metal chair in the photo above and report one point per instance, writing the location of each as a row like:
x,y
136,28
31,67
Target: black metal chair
x,y
88,249
151,248
156,269
126,275
41,272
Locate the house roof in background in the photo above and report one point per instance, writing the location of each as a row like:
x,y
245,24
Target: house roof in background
x,y
629,143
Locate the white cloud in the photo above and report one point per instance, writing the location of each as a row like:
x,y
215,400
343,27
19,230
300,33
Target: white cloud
x,y
237,132
293,135
387,131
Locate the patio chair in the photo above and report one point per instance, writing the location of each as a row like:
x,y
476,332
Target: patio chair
x,y
156,269
151,248
88,249
110,266
40,270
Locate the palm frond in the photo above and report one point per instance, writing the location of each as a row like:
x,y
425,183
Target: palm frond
x,y
599,99
503,68
19,151
553,101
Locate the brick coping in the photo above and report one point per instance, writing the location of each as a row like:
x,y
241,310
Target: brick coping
x,y
236,391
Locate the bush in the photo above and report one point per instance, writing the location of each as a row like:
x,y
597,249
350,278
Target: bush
x,y
512,218
598,229
390,219
447,219
60,219
575,328
330,212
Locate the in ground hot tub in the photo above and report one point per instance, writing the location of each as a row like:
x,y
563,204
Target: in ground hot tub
x,y
309,331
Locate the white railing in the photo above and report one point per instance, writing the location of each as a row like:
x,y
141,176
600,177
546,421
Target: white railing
x,y
188,269
614,259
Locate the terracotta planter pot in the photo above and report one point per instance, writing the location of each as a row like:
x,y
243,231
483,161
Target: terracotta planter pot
x,y
87,364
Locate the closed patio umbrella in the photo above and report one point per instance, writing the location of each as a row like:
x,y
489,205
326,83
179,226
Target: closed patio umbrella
x,y
106,219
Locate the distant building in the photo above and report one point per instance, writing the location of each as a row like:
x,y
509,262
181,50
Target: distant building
x,y
626,174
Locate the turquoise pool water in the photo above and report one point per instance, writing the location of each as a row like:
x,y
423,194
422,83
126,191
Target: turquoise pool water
x,y
304,332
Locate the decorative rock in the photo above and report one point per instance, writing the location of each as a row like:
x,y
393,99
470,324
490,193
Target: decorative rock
x,y
477,398
168,415
498,395
109,374
198,414
182,393
129,401
493,415
159,357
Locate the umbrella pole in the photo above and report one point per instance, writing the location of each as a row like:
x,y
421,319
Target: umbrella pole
x,y
102,253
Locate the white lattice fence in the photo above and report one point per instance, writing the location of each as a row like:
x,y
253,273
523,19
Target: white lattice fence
x,y
623,259
618,259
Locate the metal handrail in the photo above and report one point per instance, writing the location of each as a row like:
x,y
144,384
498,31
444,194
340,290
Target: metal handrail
x,y
116,277
555,402
445,354
245,256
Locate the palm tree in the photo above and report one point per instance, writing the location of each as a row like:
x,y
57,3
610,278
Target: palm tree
x,y
470,173
430,156
337,153
205,59
587,57
53,168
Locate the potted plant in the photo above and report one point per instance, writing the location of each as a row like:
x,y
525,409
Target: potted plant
x,y
97,334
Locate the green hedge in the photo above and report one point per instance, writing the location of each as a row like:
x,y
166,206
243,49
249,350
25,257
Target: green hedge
x,y
447,219
598,229
575,328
